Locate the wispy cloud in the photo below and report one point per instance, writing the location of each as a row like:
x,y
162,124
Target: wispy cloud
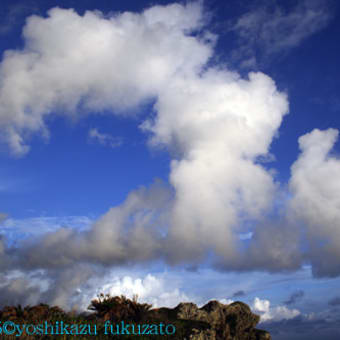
x,y
18,229
271,29
295,297
3,217
14,14
104,138
239,293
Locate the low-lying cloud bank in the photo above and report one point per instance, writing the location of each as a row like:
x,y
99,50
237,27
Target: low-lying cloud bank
x,y
267,313
217,125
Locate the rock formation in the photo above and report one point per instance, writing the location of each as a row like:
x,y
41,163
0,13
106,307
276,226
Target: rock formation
x,y
213,321
216,321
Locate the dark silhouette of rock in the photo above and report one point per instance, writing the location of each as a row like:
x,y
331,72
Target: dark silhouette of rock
x,y
216,321
213,321
39,312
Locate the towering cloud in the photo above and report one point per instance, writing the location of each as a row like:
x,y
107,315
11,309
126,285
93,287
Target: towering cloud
x,y
315,186
220,124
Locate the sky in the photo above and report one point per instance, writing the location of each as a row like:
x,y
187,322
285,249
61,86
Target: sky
x,y
181,151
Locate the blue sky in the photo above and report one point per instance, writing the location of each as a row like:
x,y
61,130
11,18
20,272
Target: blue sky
x,y
178,150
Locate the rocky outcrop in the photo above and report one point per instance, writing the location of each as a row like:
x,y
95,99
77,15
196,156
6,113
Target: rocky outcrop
x,y
217,321
213,321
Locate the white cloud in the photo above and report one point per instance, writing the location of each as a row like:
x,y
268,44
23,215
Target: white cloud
x,y
315,185
133,231
150,289
216,124
104,138
75,288
226,301
269,313
17,230
22,288
219,129
219,123
74,64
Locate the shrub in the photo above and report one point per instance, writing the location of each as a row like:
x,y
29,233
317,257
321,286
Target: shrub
x,y
118,308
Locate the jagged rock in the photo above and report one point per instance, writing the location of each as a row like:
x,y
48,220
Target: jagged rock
x,y
213,321
197,334
227,322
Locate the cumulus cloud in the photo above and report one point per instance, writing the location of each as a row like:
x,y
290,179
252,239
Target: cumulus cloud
x,y
104,138
19,290
133,231
315,202
4,258
76,286
268,313
219,123
219,129
274,246
74,64
270,29
150,289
